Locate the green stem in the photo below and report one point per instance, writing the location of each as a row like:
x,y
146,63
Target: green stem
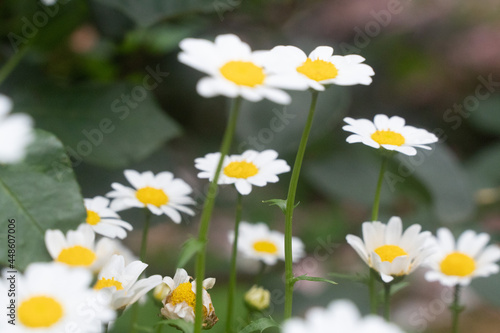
x,y
373,291
456,309
259,275
290,205
12,63
232,272
376,201
387,301
144,242
106,327
145,230
207,213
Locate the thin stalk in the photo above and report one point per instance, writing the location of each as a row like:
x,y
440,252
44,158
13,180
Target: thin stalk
x,y
259,275
145,231
455,309
387,301
376,201
207,213
290,205
373,291
12,63
106,328
232,272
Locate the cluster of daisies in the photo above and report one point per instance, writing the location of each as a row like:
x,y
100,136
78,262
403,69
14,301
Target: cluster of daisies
x,y
90,281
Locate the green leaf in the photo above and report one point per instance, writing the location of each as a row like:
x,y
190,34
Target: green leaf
x,y
189,249
259,325
148,12
102,125
180,324
280,203
313,278
40,193
362,278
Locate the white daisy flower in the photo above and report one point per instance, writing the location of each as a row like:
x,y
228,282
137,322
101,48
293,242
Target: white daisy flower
x,y
121,281
161,194
389,133
340,316
180,301
234,70
16,132
78,248
321,67
104,220
256,241
52,298
245,170
457,263
388,250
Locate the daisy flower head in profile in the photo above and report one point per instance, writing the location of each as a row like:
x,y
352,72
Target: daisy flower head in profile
x,y
160,193
388,133
78,248
321,67
340,316
257,242
234,70
180,300
121,281
104,220
457,263
250,168
52,298
16,132
389,251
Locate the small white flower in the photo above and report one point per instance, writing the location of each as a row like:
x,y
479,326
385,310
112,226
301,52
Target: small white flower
x,y
234,70
459,262
52,298
161,194
180,301
256,241
340,316
103,220
321,67
388,250
121,281
16,132
78,248
389,133
245,170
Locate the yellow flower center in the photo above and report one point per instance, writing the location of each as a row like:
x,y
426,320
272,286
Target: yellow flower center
x,y
265,246
388,137
241,169
184,293
92,217
39,312
243,73
149,195
106,283
77,256
458,264
318,70
390,252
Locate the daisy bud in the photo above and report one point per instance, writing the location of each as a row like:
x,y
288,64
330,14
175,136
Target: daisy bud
x,y
257,298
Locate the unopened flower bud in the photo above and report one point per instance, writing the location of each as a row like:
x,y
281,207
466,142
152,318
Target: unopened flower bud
x,y
258,298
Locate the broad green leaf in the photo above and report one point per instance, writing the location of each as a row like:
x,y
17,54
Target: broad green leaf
x,y
446,180
259,325
485,117
148,12
104,125
189,249
180,324
40,193
313,278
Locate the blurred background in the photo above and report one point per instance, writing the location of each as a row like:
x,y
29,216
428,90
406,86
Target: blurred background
x,y
103,76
